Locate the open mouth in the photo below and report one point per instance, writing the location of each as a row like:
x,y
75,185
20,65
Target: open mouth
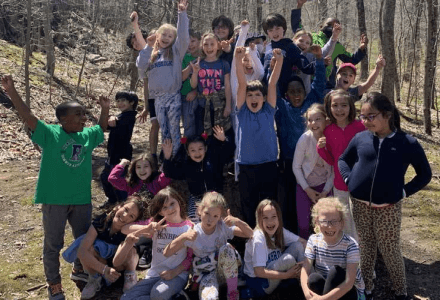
x,y
254,105
329,233
270,228
345,81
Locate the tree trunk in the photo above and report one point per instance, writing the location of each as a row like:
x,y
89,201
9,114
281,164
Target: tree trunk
x,y
323,10
386,32
28,53
362,30
413,43
50,56
430,63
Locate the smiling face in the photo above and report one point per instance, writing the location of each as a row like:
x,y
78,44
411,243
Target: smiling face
x,y
247,64
295,93
143,169
166,38
124,105
270,220
75,119
380,124
254,100
126,214
209,216
345,78
197,151
340,109
194,46
222,31
303,42
331,233
316,123
276,33
210,47
171,210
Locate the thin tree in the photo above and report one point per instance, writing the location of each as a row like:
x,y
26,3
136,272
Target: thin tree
x,y
50,56
28,52
362,30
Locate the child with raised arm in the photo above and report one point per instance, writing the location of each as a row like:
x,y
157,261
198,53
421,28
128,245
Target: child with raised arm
x,y
215,260
161,57
64,181
119,146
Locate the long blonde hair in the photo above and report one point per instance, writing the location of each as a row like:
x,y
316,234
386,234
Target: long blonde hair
x,y
278,241
169,50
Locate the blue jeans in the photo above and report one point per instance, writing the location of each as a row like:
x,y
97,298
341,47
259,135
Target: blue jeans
x,y
168,111
193,114
155,288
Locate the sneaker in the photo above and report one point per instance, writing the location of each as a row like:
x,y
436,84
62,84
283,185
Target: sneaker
x,y
180,296
79,275
55,291
130,280
92,287
145,260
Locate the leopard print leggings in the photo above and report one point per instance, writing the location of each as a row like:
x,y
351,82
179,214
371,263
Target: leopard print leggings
x,y
379,228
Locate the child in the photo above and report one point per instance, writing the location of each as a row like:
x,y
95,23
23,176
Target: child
x,y
313,175
211,77
143,176
104,242
275,27
334,256
290,127
162,59
347,74
190,114
341,111
374,166
64,183
223,28
303,40
133,43
201,168
272,255
119,146
167,275
257,144
215,260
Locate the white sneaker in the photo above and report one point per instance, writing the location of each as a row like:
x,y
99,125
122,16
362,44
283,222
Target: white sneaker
x,y
130,280
92,287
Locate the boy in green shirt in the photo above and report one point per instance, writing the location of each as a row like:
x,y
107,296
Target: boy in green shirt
x,y
64,181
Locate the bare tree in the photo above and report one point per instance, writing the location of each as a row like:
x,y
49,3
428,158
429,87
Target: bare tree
x,y
28,53
362,29
50,56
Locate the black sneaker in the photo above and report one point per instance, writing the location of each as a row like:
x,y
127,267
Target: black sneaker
x,y
145,260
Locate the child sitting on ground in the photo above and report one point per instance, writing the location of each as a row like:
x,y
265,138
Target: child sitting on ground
x,y
64,182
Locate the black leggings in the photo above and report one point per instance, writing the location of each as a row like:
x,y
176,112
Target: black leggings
x,y
321,286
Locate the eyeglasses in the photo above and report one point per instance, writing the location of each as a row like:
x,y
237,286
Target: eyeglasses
x,y
329,223
370,117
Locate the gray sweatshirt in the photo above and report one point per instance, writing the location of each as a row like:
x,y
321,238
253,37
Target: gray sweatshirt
x,y
164,75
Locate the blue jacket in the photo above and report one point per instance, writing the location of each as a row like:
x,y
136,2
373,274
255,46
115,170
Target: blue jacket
x,y
377,173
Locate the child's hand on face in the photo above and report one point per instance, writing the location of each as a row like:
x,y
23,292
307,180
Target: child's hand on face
x,y
321,142
219,133
134,18
112,121
328,60
191,234
168,274
364,41
124,162
167,148
229,220
104,102
191,95
244,23
8,83
337,28
183,5
151,40
240,53
380,62
312,194
316,51
195,66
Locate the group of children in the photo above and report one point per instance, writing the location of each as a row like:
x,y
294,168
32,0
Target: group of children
x,y
342,176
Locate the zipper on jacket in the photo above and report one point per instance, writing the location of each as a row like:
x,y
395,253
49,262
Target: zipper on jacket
x,y
375,169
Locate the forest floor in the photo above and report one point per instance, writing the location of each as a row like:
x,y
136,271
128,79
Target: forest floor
x,y
21,269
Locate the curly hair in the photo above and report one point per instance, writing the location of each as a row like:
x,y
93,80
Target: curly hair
x,y
329,203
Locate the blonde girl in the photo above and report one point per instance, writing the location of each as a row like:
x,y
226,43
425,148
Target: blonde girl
x,y
334,255
208,239
161,58
314,176
272,255
341,111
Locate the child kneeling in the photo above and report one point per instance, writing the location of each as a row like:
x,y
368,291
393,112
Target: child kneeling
x,y
334,255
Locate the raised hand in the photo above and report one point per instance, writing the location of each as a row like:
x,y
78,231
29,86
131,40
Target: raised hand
x,y
183,5
219,133
252,46
158,226
380,62
244,23
278,54
321,142
226,45
316,51
364,41
337,28
300,3
112,121
8,83
195,66
132,238
124,162
104,101
151,40
229,219
240,53
134,18
328,60
167,148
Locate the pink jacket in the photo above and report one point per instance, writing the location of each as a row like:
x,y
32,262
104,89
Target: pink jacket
x,y
337,140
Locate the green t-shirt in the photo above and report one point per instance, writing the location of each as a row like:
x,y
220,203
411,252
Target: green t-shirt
x,y
186,85
66,164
